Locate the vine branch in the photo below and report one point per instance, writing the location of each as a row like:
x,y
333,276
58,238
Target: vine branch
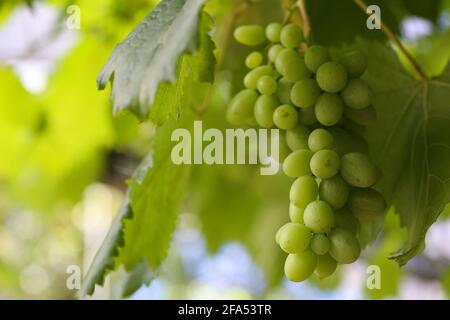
x,y
388,32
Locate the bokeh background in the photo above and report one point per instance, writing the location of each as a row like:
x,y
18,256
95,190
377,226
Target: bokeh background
x,y
64,160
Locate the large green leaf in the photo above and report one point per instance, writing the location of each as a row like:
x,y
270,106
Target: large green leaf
x,y
104,259
149,55
410,142
142,230
155,204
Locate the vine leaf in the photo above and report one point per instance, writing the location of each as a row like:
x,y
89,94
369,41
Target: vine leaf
x,y
104,259
155,204
410,142
149,54
141,232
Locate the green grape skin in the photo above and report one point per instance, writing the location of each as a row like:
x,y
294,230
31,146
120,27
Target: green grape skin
x,y
285,117
307,117
315,56
320,139
240,110
345,142
283,149
291,36
284,91
358,170
284,55
251,79
345,220
331,77
297,138
325,267
274,51
325,164
304,93
300,266
329,109
294,237
279,232
356,94
250,35
366,204
264,109
319,217
334,191
297,163
320,244
296,213
364,117
291,65
273,31
254,60
355,62
344,247
303,191
266,85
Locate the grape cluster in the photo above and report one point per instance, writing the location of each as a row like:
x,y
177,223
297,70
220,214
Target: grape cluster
x,y
314,100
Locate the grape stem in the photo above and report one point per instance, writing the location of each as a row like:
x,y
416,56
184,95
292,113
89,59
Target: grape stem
x,y
305,19
388,32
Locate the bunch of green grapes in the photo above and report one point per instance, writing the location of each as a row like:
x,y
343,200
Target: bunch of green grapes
x,y
314,100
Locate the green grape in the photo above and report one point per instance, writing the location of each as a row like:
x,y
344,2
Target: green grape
x,y
284,91
279,232
291,65
325,164
356,94
355,62
296,213
329,109
344,247
325,267
304,93
345,220
334,191
300,266
358,170
294,237
320,139
319,216
297,163
366,203
266,85
297,138
315,56
303,191
285,117
291,36
364,117
307,117
320,244
274,51
273,31
264,109
331,77
251,79
283,148
254,60
250,35
241,107
344,142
